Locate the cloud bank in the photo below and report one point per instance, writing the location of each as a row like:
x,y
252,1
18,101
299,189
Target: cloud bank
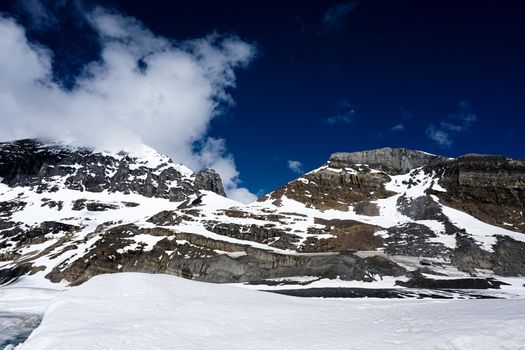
x,y
144,89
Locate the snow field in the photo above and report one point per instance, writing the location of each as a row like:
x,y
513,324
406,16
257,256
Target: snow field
x,y
140,311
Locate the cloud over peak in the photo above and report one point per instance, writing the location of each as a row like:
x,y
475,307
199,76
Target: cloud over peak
x,y
295,166
144,89
453,125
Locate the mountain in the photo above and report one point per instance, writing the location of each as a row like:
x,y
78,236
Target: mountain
x,y
406,217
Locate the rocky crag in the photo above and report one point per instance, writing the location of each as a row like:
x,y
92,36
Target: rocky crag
x,y
67,214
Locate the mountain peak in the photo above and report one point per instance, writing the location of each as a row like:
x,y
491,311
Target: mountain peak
x,y
51,166
391,160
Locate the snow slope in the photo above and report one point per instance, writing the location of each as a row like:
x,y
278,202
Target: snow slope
x,y
141,311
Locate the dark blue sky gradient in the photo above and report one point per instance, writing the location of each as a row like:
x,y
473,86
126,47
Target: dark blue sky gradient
x,y
394,62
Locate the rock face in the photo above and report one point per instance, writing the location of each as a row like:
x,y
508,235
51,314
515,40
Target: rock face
x,y
393,161
70,213
329,189
490,188
208,179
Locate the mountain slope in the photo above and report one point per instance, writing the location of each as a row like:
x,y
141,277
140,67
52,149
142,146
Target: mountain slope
x,y
68,214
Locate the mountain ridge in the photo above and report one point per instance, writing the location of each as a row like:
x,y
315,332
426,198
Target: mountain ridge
x,y
346,220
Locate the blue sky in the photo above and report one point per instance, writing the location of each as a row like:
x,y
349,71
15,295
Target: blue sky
x,y
446,77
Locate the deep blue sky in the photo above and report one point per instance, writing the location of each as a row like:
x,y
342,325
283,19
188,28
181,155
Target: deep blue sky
x,y
338,76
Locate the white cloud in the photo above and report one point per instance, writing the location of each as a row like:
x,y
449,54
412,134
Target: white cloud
x,y
145,89
295,166
397,127
453,125
441,137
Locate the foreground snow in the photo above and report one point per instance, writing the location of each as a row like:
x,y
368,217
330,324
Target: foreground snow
x,y
20,311
141,311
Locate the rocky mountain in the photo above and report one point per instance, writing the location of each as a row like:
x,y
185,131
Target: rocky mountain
x,y
416,219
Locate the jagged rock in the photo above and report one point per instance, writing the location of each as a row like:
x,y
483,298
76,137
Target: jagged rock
x,y
209,180
81,204
413,239
509,257
7,208
37,234
468,256
166,218
46,202
420,208
9,275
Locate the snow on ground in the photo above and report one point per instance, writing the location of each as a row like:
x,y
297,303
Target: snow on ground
x,y
141,311
26,300
21,308
481,231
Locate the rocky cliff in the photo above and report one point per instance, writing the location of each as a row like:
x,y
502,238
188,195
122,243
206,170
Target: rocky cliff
x,y
393,161
49,167
67,214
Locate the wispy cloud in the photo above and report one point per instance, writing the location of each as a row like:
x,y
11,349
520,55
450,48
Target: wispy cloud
x,y
397,127
345,116
39,14
441,137
46,14
453,125
295,166
144,89
335,17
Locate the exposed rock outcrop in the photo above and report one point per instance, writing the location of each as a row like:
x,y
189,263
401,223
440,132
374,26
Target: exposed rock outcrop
x,y
390,160
490,188
326,189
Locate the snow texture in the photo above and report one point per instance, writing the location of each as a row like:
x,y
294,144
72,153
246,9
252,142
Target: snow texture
x,y
139,311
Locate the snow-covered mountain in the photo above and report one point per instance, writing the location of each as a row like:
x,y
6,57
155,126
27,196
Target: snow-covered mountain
x,y
388,216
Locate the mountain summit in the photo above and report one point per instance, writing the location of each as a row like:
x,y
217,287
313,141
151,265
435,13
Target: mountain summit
x,y
390,214
392,160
